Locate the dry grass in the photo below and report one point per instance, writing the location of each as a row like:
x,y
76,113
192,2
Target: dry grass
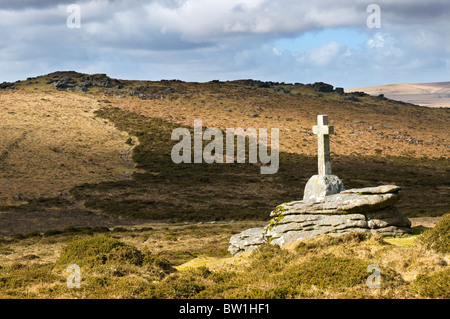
x,y
52,142
322,267
61,165
229,105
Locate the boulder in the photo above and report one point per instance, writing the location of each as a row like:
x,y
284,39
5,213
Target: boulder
x,y
247,240
352,98
367,209
319,186
322,87
66,82
6,85
339,91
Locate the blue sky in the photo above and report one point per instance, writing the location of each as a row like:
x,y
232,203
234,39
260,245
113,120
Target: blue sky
x,y
203,40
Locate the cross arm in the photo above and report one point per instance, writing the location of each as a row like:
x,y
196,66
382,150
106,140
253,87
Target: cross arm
x,y
323,129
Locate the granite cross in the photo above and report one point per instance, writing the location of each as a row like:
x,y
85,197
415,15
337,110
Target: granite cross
x,y
323,131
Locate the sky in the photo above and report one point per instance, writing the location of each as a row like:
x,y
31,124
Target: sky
x,y
345,43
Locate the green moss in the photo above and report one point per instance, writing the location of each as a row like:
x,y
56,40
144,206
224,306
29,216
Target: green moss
x,y
271,258
21,277
401,242
106,257
178,257
97,251
280,209
433,286
260,293
324,241
329,271
181,285
275,221
437,238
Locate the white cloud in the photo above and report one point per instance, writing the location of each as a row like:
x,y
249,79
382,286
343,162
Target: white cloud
x,y
204,39
377,41
276,51
383,45
325,54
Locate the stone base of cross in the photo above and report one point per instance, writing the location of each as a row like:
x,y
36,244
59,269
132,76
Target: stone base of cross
x,y
319,186
325,183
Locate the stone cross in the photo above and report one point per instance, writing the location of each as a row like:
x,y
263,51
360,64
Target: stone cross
x,y
323,131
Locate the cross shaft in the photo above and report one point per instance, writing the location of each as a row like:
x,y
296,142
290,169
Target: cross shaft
x,y
323,131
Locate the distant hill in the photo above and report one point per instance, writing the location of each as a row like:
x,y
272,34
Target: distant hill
x,y
435,94
88,145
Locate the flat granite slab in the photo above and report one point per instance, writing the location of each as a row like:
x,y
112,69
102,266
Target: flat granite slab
x,y
367,209
346,202
383,189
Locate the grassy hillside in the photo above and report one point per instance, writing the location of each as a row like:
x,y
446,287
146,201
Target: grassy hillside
x,y
191,261
102,146
87,178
